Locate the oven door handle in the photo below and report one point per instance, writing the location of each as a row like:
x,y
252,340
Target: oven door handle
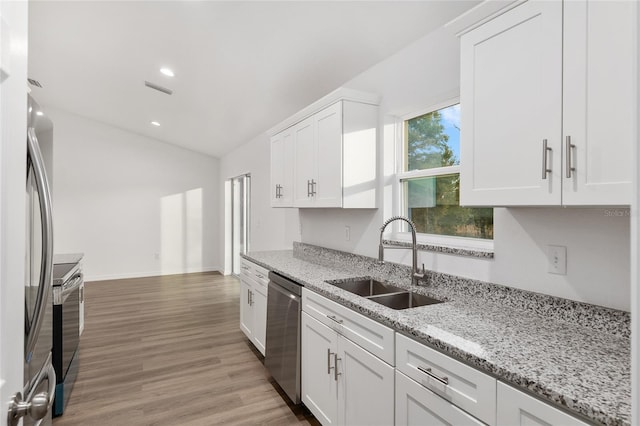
x,y
72,285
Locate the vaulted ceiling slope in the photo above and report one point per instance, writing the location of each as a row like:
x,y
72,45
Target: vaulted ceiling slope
x,y
240,67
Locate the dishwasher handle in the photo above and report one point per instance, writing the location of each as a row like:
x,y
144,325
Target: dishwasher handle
x,y
286,283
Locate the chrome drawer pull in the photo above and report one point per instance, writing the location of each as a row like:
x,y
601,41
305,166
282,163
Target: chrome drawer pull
x,y
335,369
329,367
427,371
260,276
545,150
333,317
569,147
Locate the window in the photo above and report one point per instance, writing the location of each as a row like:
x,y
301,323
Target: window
x,y
430,178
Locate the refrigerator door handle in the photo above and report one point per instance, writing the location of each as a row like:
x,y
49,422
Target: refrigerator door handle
x,y
35,405
44,197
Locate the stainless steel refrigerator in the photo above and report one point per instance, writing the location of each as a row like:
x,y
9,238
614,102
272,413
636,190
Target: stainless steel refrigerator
x,y
33,405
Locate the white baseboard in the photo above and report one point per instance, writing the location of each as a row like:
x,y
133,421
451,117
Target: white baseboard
x,y
127,275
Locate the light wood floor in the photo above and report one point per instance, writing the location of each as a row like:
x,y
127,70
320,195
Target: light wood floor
x,y
169,351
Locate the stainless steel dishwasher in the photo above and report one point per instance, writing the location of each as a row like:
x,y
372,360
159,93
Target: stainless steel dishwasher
x,y
282,355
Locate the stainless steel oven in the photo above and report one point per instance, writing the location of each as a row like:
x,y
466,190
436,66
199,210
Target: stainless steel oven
x,y
66,329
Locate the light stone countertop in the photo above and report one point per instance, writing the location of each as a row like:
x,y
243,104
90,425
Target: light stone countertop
x,y
573,355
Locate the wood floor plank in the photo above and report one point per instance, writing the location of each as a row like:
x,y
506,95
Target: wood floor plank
x,y
169,351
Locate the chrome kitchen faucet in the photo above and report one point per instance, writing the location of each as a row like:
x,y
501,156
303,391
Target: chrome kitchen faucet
x,y
415,275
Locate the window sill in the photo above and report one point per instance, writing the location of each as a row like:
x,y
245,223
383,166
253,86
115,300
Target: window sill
x,y
466,247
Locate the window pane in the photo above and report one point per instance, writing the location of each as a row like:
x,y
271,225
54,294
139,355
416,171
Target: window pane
x,y
432,204
433,139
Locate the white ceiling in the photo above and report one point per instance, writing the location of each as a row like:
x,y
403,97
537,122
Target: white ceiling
x,y
240,67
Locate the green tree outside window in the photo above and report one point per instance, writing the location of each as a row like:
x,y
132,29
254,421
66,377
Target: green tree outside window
x,y
433,141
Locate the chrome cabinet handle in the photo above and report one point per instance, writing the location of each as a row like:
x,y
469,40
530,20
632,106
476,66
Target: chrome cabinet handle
x,y
568,151
333,317
335,368
329,367
545,152
427,371
251,298
308,190
313,187
246,268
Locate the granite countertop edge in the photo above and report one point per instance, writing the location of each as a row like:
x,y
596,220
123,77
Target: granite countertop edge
x,y
402,323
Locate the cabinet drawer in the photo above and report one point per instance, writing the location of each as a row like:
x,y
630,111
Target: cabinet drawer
x,y
466,387
517,408
416,405
257,273
371,335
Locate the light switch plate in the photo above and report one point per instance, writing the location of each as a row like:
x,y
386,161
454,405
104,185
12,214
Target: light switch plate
x,y
557,256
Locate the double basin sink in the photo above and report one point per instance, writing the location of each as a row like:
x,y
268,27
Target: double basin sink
x,y
383,293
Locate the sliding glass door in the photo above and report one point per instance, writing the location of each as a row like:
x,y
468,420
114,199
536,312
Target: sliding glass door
x,y
240,214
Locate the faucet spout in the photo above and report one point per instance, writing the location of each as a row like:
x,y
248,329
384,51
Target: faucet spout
x,y
415,275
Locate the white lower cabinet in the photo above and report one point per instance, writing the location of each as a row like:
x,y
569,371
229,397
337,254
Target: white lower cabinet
x,y
343,384
417,405
253,303
455,383
356,371
516,408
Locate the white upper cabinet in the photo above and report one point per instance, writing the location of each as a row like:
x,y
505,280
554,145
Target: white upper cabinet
x,y
547,112
599,101
282,169
334,146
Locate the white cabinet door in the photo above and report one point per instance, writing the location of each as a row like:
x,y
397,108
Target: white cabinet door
x,y
417,405
365,387
259,306
282,169
599,108
305,168
519,409
246,313
511,98
319,382
328,187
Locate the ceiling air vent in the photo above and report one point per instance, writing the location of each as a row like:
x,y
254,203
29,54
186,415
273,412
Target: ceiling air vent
x,y
158,88
34,82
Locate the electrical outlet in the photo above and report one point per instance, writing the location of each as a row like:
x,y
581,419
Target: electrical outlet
x,y
347,233
557,256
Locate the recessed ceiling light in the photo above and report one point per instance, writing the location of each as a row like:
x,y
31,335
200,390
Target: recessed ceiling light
x,y
155,123
167,72
39,113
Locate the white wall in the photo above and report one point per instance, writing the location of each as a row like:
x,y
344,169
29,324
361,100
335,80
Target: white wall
x,y
135,206
424,74
270,228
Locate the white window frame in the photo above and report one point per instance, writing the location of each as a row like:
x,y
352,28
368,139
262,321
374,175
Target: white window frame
x,y
398,234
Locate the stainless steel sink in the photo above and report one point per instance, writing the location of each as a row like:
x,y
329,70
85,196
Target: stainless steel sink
x,y
404,300
366,287
385,294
